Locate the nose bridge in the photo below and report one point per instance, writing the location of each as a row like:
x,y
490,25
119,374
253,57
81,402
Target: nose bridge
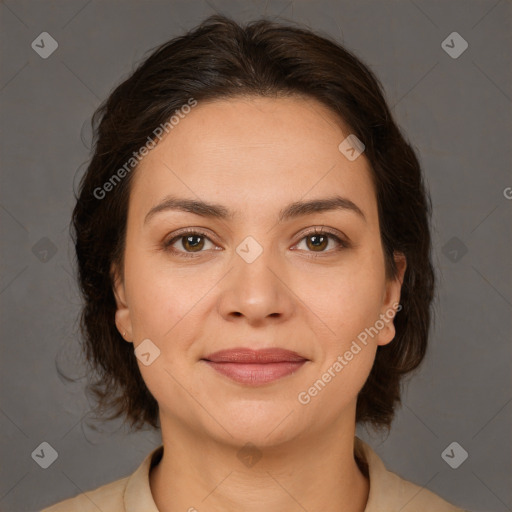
x,y
253,262
254,288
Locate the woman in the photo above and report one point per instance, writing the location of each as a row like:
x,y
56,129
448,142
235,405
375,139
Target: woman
x,y
253,244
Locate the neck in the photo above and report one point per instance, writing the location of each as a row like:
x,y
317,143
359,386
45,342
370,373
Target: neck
x,y
306,473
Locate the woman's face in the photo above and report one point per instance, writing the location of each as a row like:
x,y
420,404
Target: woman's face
x,y
257,276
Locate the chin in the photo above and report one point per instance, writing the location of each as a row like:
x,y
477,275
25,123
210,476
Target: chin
x,y
260,424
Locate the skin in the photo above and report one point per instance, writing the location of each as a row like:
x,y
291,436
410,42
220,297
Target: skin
x,y
254,156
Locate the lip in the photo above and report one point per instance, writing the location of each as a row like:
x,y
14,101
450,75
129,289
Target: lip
x,y
247,355
255,367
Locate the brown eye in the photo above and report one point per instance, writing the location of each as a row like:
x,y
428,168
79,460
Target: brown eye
x,y
191,243
188,243
317,242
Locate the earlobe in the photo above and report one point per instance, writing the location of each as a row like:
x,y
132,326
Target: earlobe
x,y
123,324
391,303
122,316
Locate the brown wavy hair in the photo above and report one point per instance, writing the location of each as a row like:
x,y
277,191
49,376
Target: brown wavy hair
x,y
221,58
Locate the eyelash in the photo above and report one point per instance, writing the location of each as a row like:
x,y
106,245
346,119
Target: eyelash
x,y
191,231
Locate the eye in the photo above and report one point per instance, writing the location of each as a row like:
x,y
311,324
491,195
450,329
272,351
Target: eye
x,y
191,241
318,240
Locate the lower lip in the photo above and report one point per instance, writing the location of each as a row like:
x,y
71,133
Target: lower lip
x,y
256,374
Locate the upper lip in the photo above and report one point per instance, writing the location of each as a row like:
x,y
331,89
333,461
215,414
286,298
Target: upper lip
x,y
246,355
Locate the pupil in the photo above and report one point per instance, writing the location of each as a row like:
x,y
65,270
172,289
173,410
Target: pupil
x,y
188,241
319,240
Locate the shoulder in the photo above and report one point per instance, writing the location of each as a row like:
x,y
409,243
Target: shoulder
x,y
411,497
107,497
132,492
390,492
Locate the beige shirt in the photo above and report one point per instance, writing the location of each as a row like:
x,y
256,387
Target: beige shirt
x,y
388,492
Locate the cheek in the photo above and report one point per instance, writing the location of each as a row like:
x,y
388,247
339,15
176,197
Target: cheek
x,y
336,386
159,296
347,298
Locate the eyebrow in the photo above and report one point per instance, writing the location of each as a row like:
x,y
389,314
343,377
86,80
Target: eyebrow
x,y
293,210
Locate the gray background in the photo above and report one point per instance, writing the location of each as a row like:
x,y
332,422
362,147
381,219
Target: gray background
x,y
456,112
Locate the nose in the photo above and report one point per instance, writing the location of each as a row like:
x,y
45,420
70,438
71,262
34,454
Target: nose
x,y
256,292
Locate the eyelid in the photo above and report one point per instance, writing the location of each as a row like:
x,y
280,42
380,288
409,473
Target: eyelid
x,y
190,230
322,230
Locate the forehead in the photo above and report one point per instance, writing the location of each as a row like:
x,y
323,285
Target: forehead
x,y
255,154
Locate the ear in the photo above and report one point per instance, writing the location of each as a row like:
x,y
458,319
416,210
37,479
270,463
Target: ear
x,y
122,317
391,301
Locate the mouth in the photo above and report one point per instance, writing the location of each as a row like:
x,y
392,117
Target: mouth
x,y
255,367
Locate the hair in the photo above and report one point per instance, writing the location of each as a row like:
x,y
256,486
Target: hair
x,y
222,59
